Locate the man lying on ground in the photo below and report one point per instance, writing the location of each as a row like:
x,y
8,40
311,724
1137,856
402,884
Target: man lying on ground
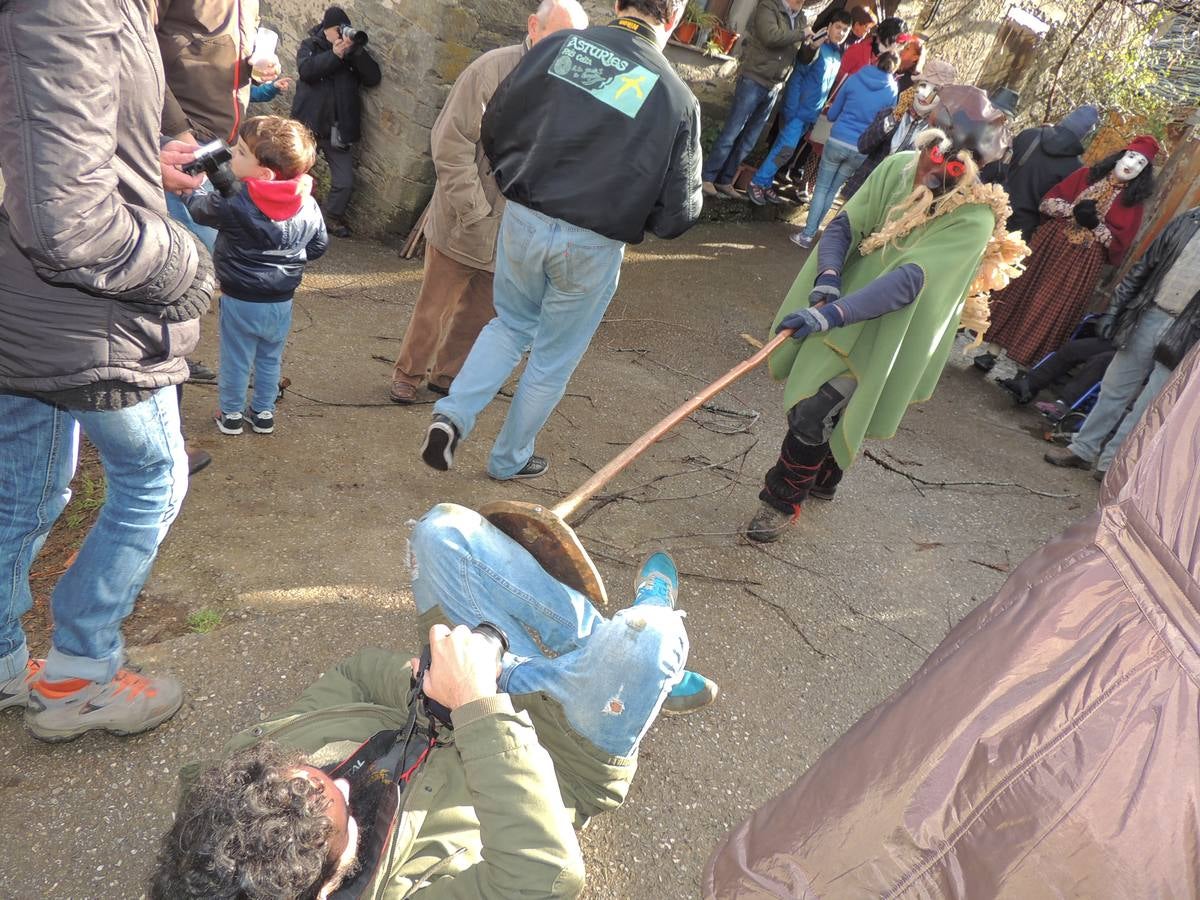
x,y
358,789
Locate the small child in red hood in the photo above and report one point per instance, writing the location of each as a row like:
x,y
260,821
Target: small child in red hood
x,y
266,232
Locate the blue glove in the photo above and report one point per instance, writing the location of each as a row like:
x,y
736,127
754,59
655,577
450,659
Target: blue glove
x,y
826,289
804,322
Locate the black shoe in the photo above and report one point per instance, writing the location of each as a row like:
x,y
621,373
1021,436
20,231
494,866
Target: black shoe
x,y
984,362
198,460
438,389
199,373
229,423
440,440
262,422
535,468
773,197
757,195
337,226
1018,387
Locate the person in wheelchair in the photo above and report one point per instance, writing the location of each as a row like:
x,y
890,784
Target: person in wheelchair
x,y
1071,373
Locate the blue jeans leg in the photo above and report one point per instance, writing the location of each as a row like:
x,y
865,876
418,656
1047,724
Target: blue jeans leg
x,y
1123,380
838,162
1159,377
609,675
145,471
252,334
517,288
581,274
179,212
781,151
748,113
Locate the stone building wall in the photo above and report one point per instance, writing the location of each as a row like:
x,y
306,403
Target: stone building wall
x,y
421,46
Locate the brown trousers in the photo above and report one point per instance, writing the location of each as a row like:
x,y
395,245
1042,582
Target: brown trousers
x,y
454,305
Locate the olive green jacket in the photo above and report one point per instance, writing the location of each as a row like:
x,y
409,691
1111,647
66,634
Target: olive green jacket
x,y
511,776
771,45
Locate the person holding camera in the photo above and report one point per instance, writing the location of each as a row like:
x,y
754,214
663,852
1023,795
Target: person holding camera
x,y
333,65
367,773
100,293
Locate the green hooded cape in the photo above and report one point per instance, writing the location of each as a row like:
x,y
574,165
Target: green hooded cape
x,y
896,358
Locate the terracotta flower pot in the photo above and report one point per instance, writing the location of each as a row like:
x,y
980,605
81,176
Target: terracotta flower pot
x,y
686,32
724,38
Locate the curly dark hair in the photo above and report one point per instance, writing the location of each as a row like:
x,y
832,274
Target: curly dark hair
x,y
248,828
658,10
1137,191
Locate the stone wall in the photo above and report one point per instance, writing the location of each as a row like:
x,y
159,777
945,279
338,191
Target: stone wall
x,y
422,46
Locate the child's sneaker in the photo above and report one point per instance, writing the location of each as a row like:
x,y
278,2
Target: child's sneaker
x,y
129,704
262,422
15,691
229,423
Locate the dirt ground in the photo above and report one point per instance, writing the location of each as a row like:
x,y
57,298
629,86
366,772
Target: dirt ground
x,y
290,553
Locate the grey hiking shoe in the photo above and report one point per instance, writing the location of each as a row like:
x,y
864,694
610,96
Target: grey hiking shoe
x,y
15,691
129,704
768,524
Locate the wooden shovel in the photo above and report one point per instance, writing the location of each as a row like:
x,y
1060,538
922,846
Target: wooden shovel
x,y
544,532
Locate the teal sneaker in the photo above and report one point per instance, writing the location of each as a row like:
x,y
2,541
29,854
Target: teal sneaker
x,y
656,581
693,692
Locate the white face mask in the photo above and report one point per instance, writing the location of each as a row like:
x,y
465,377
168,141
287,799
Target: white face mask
x,y
1130,166
925,99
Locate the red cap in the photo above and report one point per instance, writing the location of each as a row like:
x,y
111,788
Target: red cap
x,y
1145,145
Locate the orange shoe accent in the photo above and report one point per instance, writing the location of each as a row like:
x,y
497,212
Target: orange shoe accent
x,y
56,690
33,669
132,682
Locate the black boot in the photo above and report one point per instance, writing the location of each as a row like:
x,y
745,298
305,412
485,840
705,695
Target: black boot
x,y
1019,387
984,362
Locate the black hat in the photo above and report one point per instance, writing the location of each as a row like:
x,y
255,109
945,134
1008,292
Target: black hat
x,y
1006,100
335,17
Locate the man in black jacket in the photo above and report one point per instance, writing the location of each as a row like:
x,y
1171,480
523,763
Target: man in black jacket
x,y
593,140
333,68
1154,319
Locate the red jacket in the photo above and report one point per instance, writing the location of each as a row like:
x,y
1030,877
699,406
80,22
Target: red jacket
x,y
1123,221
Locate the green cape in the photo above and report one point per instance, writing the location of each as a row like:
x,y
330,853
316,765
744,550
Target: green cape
x,y
897,358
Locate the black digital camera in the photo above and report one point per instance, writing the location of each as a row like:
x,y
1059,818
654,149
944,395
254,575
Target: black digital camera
x,y
212,159
357,35
495,635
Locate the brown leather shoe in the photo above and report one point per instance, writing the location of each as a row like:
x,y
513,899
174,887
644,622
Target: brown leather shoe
x,y
1065,459
403,393
198,461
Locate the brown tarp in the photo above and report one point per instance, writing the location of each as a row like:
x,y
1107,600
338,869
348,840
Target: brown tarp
x,y
1050,746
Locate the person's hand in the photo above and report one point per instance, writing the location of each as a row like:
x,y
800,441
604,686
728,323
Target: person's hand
x,y
282,84
267,69
342,46
803,322
171,158
462,666
1086,214
826,289
1106,325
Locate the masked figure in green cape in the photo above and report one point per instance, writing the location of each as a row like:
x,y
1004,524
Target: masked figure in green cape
x,y
905,264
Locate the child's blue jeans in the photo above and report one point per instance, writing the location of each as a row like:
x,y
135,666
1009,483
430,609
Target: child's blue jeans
x,y
252,335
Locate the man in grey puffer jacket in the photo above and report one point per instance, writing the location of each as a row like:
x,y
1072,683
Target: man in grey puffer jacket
x,y
99,296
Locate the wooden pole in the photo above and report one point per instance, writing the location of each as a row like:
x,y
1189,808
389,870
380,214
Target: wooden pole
x,y
638,447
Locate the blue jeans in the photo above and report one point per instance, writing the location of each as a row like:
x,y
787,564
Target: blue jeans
x,y
751,107
179,212
145,471
609,675
838,162
252,334
1123,380
781,151
552,285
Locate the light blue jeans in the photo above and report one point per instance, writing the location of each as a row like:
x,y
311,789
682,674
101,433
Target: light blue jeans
x,y
838,162
1123,380
552,285
781,151
179,212
748,113
252,335
609,675
145,471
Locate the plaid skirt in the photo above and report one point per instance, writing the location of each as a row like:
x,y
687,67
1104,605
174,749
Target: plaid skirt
x,y
1035,314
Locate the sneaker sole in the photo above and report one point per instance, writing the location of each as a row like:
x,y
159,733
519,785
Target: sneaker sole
x,y
684,706
437,450
260,430
221,427
62,736
520,477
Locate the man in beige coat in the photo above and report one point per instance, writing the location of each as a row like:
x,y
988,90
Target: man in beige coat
x,y
464,219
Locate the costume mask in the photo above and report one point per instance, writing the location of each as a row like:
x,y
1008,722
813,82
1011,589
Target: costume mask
x,y
1130,166
969,122
925,99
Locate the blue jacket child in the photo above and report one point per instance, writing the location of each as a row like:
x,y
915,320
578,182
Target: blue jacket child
x,y
863,95
804,97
